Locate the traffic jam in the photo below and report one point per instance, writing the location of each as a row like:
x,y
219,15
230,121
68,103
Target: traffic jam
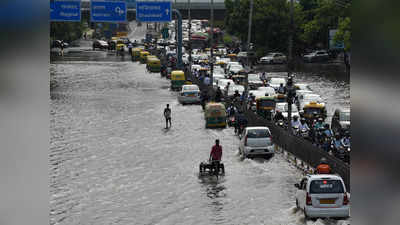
x,y
320,194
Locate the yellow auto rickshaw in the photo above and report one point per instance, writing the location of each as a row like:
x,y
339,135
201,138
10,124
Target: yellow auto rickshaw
x,y
314,110
136,54
153,64
177,79
215,115
265,106
143,56
233,57
280,98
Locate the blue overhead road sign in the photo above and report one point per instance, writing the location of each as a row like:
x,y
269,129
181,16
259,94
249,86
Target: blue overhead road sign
x,y
102,11
153,11
65,10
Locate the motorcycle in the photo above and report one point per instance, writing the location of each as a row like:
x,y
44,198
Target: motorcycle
x,y
280,123
296,130
231,121
304,133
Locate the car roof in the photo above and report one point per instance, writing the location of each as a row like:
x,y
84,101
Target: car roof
x,y
257,128
324,176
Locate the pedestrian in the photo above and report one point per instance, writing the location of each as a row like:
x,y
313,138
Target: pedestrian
x,y
62,48
227,88
218,95
167,115
85,35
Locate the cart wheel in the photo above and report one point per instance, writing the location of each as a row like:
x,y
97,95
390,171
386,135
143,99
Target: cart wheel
x,y
222,168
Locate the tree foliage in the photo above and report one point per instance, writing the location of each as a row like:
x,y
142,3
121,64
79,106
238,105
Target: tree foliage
x,y
344,33
271,23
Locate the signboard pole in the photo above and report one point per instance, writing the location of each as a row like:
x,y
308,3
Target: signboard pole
x,y
179,47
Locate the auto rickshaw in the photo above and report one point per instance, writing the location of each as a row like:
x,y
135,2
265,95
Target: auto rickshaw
x,y
313,111
136,54
177,79
143,55
215,115
266,106
280,98
239,79
233,57
153,64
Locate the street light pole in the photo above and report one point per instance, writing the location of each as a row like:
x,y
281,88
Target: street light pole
x,y
212,44
190,39
247,50
290,94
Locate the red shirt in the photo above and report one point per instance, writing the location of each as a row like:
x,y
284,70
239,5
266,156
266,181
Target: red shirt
x,y
216,152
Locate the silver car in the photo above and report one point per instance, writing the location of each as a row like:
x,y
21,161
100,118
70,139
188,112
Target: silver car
x,y
189,94
256,142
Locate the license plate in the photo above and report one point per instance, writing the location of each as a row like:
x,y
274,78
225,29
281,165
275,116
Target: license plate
x,y
191,95
327,201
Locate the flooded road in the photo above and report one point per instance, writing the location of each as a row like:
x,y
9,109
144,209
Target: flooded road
x,y
112,161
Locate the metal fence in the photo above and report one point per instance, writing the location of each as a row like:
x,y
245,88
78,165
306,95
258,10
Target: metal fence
x,y
297,146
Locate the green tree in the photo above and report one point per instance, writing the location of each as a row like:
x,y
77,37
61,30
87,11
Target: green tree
x,y
344,33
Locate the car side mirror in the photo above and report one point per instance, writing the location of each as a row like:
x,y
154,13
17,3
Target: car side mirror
x,y
297,185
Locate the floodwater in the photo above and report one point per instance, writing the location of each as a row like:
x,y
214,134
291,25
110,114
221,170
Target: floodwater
x,y
112,162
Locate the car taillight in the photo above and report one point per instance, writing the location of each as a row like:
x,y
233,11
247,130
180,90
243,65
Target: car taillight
x,y
308,200
345,199
245,140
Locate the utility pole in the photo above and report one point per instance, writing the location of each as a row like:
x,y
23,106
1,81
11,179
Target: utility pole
x,y
212,44
190,39
290,92
247,50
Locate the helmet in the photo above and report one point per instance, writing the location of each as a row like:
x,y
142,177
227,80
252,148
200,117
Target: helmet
x,y
326,125
323,160
337,136
347,134
295,117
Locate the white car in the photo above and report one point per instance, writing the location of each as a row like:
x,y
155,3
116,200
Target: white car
x,y
254,81
256,142
274,57
283,107
275,82
233,88
234,69
257,93
322,195
189,94
223,82
267,90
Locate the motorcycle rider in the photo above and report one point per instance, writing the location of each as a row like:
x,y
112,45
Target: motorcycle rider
x,y
319,124
281,89
295,122
323,167
218,95
278,116
337,142
327,132
241,120
346,140
236,95
303,125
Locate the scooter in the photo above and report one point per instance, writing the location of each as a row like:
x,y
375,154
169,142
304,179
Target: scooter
x,y
304,133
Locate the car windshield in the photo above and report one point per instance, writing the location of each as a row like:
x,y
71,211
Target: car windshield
x,y
190,88
326,186
267,103
345,116
313,98
270,55
313,110
258,133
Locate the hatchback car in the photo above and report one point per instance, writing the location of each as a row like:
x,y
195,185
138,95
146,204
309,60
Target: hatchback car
x,y
275,82
254,81
317,56
322,196
189,94
256,142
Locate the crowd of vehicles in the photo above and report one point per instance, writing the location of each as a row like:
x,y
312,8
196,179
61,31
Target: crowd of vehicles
x,y
317,195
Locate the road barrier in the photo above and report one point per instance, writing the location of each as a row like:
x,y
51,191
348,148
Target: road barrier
x,y
299,147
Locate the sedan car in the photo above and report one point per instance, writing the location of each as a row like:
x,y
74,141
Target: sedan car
x,y
272,58
256,142
100,44
316,56
189,94
321,196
